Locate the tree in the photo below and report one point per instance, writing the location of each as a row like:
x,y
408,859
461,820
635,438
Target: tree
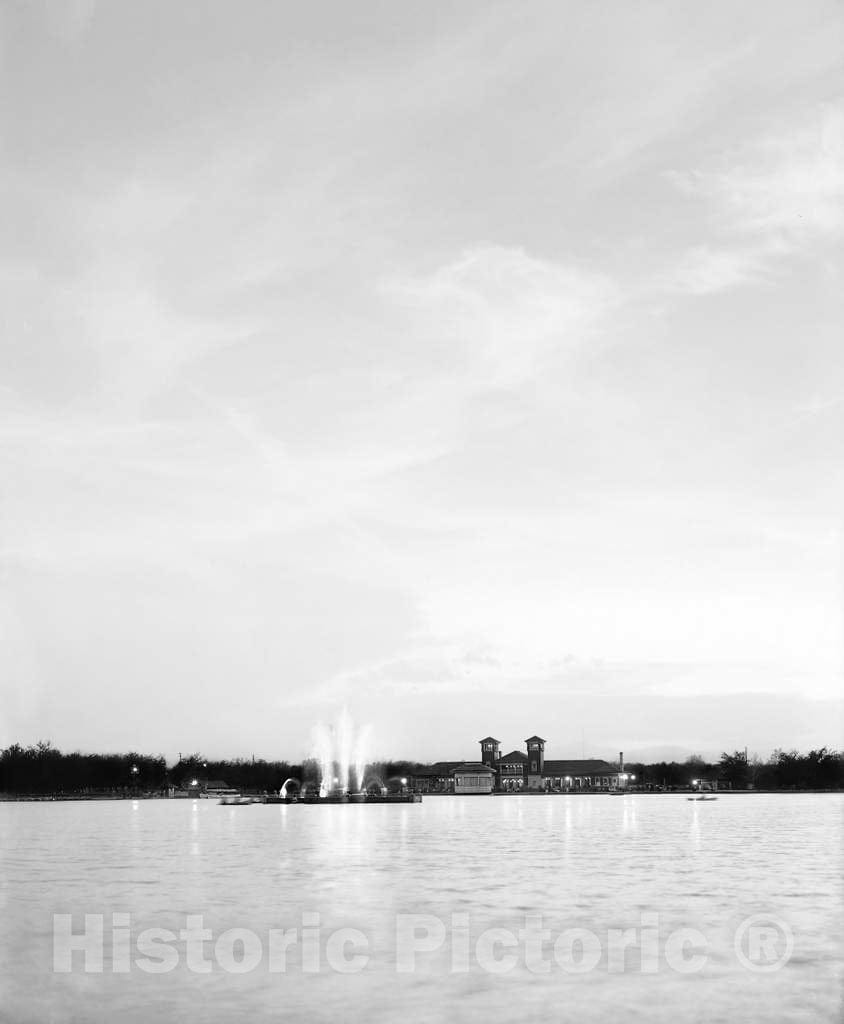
x,y
734,769
823,769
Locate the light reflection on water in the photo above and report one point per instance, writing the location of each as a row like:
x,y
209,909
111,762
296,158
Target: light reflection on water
x,y
593,862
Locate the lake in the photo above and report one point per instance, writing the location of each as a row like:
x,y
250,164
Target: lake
x,y
506,908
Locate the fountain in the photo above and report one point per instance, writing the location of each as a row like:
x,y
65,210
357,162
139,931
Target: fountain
x,y
340,752
285,789
374,785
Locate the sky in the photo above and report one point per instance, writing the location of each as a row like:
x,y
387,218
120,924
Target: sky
x,y
473,367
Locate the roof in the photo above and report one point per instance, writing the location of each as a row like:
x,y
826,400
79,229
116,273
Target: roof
x,y
475,767
489,739
214,784
538,738
513,757
591,766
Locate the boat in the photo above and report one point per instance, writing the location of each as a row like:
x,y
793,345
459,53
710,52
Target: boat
x,y
231,799
703,790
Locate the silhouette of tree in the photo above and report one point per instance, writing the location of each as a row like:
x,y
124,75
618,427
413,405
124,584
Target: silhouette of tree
x,y
734,769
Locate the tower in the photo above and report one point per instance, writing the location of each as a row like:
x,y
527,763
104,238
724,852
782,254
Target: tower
x,y
536,758
490,751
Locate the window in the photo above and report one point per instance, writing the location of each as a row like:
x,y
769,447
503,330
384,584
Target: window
x,y
474,781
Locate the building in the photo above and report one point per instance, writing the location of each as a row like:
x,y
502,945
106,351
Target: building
x,y
512,771
473,777
436,778
533,772
522,770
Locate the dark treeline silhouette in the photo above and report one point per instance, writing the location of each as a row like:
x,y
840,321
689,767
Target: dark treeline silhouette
x,y
256,776
784,770
270,776
788,769
41,769
44,769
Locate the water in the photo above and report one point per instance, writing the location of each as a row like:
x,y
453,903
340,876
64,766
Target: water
x,y
592,862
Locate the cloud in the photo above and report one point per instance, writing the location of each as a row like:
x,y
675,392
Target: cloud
x,y
703,269
788,184
778,196
791,184
502,312
447,666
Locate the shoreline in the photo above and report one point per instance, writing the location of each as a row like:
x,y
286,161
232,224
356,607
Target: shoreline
x,y
99,798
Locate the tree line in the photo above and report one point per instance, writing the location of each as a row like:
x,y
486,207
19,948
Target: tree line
x,y
783,770
41,769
